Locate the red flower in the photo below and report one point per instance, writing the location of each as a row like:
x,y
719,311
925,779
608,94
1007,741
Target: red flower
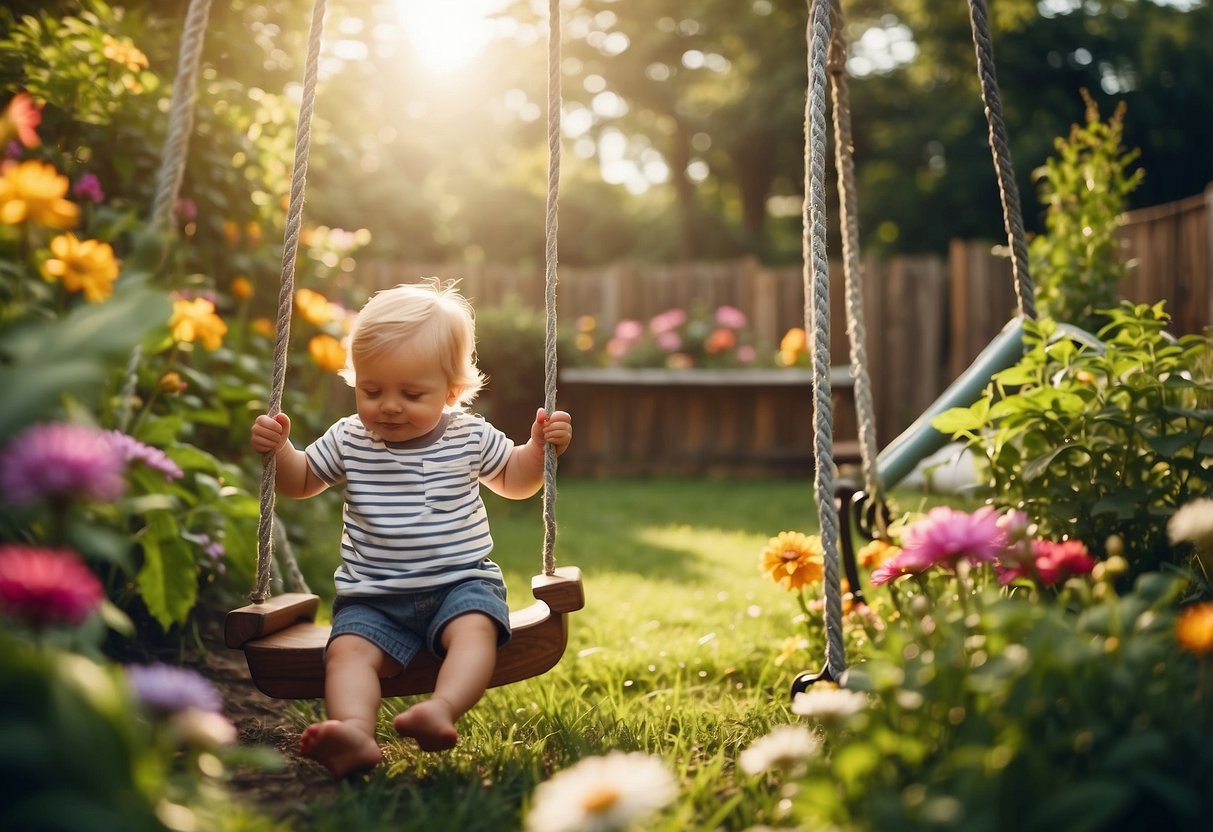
x,y
47,586
1055,562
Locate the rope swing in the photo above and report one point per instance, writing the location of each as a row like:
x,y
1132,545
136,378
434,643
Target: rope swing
x,y
827,55
284,648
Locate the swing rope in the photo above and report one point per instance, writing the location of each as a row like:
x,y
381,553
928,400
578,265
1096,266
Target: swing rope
x,y
1008,191
816,272
181,113
555,96
827,26
852,268
286,296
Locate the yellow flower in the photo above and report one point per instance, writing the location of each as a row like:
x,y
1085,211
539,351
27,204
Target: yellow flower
x,y
790,647
35,191
586,323
327,352
242,287
123,52
195,320
793,559
263,327
1194,631
794,343
314,307
83,266
876,553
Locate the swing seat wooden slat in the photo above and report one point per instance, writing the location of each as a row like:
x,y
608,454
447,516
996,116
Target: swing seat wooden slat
x,y
285,649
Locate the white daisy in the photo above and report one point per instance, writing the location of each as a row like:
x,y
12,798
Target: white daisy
x,y
828,704
604,793
1194,522
785,749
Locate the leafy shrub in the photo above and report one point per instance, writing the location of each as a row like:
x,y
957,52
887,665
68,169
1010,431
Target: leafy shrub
x,y
1092,442
1076,263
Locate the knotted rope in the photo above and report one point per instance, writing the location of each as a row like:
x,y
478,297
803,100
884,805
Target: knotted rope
x,y
817,320
286,296
549,282
1012,213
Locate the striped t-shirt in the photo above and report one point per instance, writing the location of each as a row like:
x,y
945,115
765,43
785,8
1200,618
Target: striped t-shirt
x,y
413,517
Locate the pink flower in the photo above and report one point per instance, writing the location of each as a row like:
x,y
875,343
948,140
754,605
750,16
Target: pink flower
x,y
667,321
24,115
1055,562
730,317
669,341
59,460
628,330
45,586
944,538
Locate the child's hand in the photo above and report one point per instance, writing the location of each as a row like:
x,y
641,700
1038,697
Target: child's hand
x,y
271,432
556,430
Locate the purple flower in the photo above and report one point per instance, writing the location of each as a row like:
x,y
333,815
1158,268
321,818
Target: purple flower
x,y
13,150
46,586
88,189
133,450
61,459
165,688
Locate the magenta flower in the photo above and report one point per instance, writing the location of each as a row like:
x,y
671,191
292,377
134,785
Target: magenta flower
x,y
944,538
47,586
730,317
1055,562
167,689
185,210
133,450
52,461
88,189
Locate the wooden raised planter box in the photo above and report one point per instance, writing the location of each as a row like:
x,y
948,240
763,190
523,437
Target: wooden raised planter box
x,y
699,422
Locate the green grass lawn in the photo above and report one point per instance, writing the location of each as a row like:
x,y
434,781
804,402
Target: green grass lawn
x,y
674,655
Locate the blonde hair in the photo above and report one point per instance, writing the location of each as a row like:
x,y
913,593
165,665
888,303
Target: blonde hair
x,y
433,319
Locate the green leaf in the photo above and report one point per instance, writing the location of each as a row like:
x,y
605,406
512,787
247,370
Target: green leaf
x,y
1093,804
960,420
168,581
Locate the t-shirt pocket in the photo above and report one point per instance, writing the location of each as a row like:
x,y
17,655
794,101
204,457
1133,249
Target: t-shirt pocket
x,y
448,486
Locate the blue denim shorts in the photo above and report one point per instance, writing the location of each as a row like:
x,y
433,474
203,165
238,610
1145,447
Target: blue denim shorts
x,y
402,625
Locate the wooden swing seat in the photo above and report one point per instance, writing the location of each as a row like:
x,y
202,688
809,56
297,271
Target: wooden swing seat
x,y
285,649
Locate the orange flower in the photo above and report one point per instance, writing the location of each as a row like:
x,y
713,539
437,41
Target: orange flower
x,y
242,287
794,344
252,232
231,232
793,559
22,118
86,266
172,383
123,52
263,327
195,320
720,340
327,352
314,307
876,553
35,191
1194,631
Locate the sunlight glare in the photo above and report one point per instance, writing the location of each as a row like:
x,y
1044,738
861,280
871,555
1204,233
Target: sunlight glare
x,y
447,35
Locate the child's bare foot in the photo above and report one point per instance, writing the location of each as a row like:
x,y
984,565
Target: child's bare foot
x,y
340,747
430,724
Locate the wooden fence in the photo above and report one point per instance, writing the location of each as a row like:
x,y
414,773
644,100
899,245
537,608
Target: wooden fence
x,y
926,317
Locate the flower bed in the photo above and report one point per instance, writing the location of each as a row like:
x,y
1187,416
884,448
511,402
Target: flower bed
x,y
699,422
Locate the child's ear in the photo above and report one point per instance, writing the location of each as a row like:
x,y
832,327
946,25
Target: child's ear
x,y
453,395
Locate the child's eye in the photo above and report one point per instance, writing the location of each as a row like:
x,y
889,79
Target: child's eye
x,y
371,394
